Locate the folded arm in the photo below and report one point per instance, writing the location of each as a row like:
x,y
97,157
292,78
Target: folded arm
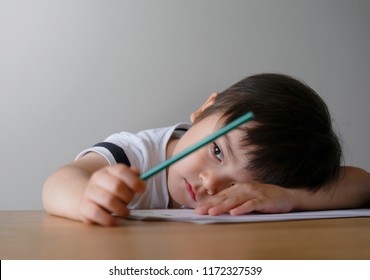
x,y
350,190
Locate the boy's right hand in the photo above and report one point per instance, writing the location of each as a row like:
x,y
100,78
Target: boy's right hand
x,y
110,190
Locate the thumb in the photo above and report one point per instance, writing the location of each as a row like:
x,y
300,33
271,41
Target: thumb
x,y
135,169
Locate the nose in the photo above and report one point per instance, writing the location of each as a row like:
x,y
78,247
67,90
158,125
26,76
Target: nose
x,y
212,182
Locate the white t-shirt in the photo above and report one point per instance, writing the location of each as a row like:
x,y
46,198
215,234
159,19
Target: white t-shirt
x,y
144,150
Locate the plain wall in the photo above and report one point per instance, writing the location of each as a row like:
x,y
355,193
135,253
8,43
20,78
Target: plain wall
x,y
73,72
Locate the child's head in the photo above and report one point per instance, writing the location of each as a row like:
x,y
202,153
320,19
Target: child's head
x,y
291,141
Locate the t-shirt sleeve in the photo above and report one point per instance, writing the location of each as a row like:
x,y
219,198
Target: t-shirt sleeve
x,y
117,148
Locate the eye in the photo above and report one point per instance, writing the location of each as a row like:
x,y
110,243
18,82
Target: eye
x,y
216,151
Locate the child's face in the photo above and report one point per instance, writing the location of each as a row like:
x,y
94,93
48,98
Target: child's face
x,y
208,170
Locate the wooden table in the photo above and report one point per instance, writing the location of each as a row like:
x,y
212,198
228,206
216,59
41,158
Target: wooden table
x,y
37,235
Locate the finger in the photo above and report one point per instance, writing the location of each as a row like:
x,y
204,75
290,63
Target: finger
x,y
128,175
135,170
220,203
247,207
225,206
261,206
94,214
203,207
109,202
201,210
112,184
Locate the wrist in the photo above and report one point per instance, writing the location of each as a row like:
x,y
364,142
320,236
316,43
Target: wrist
x,y
300,199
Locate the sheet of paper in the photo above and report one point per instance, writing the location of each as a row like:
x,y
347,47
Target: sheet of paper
x,y
188,215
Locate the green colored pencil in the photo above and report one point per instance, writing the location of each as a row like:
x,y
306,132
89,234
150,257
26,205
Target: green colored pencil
x,y
239,121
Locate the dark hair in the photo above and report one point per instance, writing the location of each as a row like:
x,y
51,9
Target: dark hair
x,y
292,139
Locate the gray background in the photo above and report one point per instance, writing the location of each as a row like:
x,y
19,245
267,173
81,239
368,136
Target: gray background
x,y
73,72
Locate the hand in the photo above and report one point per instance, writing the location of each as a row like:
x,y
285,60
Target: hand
x,y
245,198
108,191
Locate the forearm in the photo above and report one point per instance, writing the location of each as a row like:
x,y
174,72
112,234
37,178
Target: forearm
x,y
351,190
63,190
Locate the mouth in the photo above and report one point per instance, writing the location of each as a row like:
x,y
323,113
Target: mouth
x,y
190,191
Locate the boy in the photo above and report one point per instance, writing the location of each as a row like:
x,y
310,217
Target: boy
x,y
287,158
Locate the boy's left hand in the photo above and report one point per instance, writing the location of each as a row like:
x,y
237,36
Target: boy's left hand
x,y
245,198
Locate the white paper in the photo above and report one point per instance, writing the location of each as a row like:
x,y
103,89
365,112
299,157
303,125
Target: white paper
x,y
188,215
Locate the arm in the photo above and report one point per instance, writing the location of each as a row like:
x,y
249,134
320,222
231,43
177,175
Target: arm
x,y
89,190
351,190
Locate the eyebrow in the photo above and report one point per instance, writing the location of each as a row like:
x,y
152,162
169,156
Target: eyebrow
x,y
231,151
228,146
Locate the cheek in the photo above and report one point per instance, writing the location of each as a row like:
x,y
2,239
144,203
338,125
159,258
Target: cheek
x,y
194,162
190,166
183,167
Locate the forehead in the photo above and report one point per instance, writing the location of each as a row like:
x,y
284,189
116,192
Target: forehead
x,y
239,156
233,141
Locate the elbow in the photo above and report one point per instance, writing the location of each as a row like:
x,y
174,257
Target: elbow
x,y
45,195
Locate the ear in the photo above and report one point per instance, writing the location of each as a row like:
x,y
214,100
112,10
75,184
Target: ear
x,y
209,102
